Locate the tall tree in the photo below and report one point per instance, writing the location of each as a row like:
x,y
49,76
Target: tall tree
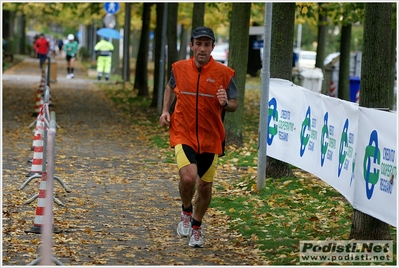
x,y
141,76
282,40
126,41
21,35
183,42
8,25
171,33
185,25
160,9
344,61
392,100
375,72
238,56
344,15
198,15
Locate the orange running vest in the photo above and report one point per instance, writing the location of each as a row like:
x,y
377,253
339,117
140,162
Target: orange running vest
x,y
197,117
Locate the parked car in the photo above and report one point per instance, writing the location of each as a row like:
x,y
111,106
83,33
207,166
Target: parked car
x,y
220,53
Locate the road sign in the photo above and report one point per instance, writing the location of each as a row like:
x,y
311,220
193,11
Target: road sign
x,y
257,44
111,7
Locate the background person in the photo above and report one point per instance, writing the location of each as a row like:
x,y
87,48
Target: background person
x,y
60,44
42,46
204,90
104,50
71,48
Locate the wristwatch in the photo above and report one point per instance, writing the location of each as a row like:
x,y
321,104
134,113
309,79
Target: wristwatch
x,y
227,103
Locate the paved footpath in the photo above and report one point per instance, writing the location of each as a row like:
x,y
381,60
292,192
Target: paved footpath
x,y
123,207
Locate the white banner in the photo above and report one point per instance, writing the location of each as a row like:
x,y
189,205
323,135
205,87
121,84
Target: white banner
x,y
321,134
376,174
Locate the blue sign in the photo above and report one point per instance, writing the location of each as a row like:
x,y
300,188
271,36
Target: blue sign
x,y
111,7
257,44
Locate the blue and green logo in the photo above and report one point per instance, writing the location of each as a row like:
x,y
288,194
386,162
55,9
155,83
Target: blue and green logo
x,y
343,147
272,113
304,138
372,156
324,139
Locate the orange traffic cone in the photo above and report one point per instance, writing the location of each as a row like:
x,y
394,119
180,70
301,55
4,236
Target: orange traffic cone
x,y
39,102
38,141
37,160
38,221
39,131
39,95
43,80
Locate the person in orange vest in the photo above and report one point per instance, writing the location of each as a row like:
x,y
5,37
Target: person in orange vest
x,y
200,91
42,46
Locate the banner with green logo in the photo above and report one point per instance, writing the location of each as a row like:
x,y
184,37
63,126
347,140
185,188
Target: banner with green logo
x,y
351,148
376,174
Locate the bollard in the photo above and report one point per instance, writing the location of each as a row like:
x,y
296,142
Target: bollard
x,y
37,160
46,257
39,96
45,117
38,136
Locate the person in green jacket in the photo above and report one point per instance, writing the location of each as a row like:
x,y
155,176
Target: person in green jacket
x,y
71,49
104,50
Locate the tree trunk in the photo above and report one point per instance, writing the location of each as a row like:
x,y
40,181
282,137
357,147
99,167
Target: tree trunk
x,y
282,40
135,41
376,70
366,227
157,53
8,32
8,23
198,17
126,40
344,60
238,56
183,43
141,76
392,97
374,88
21,37
321,40
172,35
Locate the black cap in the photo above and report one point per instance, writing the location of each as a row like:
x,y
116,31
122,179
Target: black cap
x,y
203,32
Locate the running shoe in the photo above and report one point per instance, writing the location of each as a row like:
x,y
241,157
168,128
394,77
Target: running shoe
x,y
196,238
184,226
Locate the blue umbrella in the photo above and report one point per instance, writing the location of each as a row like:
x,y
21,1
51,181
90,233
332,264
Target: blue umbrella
x,y
109,33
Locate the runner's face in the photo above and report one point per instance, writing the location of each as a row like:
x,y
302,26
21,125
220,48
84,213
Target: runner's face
x,y
202,48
